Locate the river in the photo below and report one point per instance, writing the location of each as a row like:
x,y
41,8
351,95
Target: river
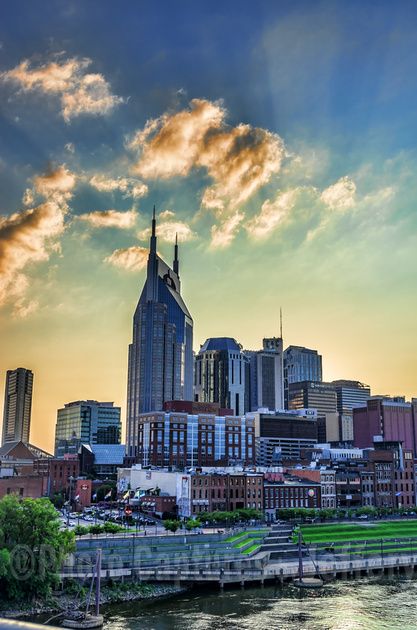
x,y
353,605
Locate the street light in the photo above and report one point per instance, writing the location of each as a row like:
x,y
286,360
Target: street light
x,y
71,479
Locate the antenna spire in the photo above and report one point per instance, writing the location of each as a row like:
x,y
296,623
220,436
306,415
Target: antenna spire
x,y
280,322
176,265
153,233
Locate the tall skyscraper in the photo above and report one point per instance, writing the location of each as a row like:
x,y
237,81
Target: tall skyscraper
x,y
265,384
160,364
86,422
301,364
220,374
17,405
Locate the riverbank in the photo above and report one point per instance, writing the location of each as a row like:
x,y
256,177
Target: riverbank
x,y
373,603
117,593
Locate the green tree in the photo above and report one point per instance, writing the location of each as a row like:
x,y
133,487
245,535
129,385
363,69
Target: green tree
x,y
32,547
192,523
172,525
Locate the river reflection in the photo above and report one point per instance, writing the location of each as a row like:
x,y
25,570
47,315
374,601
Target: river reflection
x,y
338,606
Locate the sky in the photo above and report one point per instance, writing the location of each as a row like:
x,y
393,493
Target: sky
x,y
277,139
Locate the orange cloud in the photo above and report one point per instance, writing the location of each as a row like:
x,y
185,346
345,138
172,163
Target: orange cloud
x,y
110,218
239,160
26,237
80,92
129,186
132,258
59,181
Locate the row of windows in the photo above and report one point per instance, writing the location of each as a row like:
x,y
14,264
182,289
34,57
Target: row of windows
x,y
233,493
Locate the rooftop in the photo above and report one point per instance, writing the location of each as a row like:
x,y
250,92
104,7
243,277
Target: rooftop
x,y
220,343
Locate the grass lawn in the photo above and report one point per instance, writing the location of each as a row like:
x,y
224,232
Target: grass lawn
x,y
235,537
251,548
371,530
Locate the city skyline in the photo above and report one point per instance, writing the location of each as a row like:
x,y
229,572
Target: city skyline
x,y
296,193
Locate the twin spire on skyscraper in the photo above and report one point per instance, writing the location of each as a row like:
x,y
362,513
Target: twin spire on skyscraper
x,y
176,263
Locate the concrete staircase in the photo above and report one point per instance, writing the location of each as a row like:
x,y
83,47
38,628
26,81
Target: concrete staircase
x,y
278,543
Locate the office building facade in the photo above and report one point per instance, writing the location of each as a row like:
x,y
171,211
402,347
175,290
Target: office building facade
x,y
282,436
86,422
220,374
17,406
350,394
180,440
383,419
301,364
312,395
265,386
160,365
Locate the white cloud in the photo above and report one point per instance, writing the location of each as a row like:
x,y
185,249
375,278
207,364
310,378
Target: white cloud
x,y
80,92
22,309
28,197
167,230
223,234
166,214
129,186
130,258
340,195
110,218
272,214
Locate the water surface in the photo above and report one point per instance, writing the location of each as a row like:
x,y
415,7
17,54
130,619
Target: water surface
x,y
376,605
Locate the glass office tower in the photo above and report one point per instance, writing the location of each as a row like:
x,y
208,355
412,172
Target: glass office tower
x,y
86,422
160,366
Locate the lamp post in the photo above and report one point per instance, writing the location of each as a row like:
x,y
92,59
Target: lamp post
x,y
69,506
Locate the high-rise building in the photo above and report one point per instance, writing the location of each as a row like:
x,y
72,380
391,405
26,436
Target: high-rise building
x,y
86,422
17,405
265,386
350,394
301,364
220,374
312,395
160,364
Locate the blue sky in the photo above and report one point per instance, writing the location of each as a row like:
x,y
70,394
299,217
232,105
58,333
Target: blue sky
x,y
298,192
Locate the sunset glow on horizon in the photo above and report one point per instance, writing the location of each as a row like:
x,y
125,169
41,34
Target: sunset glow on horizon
x,y
277,141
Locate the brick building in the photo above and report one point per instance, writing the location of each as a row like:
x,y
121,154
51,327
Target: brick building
x,y
181,440
387,420
24,486
57,472
212,492
326,477
290,493
158,505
